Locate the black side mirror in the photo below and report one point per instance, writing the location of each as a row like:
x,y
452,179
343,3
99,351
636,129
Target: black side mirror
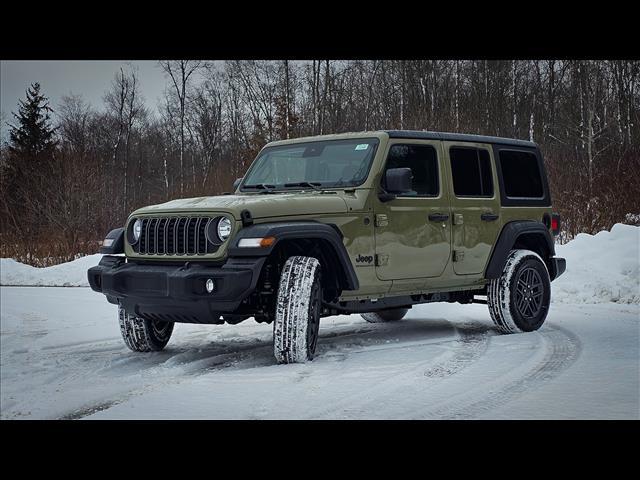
x,y
236,183
398,180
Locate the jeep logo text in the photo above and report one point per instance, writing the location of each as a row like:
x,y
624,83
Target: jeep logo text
x,y
364,259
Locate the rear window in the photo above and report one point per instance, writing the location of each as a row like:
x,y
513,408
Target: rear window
x,y
521,174
471,172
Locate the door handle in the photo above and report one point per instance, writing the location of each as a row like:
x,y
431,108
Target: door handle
x,y
438,217
489,217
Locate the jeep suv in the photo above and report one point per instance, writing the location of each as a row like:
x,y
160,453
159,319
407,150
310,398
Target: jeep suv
x,y
369,223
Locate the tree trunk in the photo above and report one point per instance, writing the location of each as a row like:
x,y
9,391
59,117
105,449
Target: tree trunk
x,y
514,97
531,118
486,96
457,95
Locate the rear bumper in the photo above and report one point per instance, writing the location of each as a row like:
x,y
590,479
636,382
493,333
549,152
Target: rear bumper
x,y
558,266
176,293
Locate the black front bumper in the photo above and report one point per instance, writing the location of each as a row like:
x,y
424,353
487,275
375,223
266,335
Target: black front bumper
x,y
176,293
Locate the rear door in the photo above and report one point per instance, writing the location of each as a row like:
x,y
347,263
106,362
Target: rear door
x,y
475,204
413,231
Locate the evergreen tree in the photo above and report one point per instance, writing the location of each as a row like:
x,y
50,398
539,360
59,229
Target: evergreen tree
x,y
27,172
34,135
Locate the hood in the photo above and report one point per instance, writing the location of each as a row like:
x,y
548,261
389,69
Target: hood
x,y
260,205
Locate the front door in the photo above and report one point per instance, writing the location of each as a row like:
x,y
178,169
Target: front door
x,y
413,231
475,205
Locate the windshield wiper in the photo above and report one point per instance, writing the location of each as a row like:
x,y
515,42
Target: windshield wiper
x,y
313,185
265,187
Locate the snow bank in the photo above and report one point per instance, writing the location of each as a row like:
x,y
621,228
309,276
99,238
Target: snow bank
x,y
70,274
600,268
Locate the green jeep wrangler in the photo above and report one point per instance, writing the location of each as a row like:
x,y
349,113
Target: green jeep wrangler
x,y
369,223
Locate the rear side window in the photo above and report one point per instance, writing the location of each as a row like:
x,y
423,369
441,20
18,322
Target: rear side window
x,y
423,162
521,174
471,172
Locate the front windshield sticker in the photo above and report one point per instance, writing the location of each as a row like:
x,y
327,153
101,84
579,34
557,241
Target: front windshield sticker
x,y
362,146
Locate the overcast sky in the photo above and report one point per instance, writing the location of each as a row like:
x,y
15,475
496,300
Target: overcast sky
x,y
81,77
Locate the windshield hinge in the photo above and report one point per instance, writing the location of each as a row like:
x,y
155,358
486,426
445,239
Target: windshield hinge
x,y
246,217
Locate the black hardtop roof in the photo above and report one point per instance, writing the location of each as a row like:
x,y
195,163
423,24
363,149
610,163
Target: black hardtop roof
x,y
458,137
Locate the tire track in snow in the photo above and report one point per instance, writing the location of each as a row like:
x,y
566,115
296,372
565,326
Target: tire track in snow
x,y
562,349
559,349
174,366
180,367
86,411
471,342
475,341
247,354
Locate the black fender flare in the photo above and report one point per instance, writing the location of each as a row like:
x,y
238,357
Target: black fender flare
x,y
309,230
508,238
117,244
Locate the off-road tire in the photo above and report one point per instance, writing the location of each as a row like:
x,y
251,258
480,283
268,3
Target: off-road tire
x,y
390,315
142,335
519,299
297,318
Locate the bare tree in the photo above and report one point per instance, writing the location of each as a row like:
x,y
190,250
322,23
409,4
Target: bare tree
x,y
124,105
180,72
207,124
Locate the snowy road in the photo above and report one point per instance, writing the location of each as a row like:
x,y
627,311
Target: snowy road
x,y
62,357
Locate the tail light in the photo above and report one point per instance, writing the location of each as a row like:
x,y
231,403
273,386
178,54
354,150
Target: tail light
x,y
555,223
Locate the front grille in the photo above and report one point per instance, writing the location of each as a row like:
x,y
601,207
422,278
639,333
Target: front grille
x,y
174,236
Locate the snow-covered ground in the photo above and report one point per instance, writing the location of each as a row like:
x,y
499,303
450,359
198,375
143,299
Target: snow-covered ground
x,y
61,356
71,274
601,268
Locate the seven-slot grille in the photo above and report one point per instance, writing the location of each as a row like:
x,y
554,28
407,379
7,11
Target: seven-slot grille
x,y
174,236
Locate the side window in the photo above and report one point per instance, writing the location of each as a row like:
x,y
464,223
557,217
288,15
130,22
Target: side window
x,y
521,174
471,172
423,162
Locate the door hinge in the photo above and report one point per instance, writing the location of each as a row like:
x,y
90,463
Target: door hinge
x,y
382,259
458,255
381,220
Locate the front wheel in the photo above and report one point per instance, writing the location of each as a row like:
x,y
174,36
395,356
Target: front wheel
x,y
519,299
297,319
142,335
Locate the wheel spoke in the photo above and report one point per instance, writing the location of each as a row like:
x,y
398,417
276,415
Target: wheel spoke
x,y
536,304
521,303
528,309
538,299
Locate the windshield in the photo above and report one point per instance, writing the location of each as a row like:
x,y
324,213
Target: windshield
x,y
323,164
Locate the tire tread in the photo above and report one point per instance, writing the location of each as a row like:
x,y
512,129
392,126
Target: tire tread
x,y
137,333
292,309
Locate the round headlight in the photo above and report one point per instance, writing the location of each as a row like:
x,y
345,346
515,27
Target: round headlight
x,y
137,230
224,228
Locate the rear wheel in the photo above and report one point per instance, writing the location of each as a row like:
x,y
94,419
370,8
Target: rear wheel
x,y
390,315
519,299
142,335
297,319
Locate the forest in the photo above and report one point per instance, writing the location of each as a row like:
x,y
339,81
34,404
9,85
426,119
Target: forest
x,y
71,172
